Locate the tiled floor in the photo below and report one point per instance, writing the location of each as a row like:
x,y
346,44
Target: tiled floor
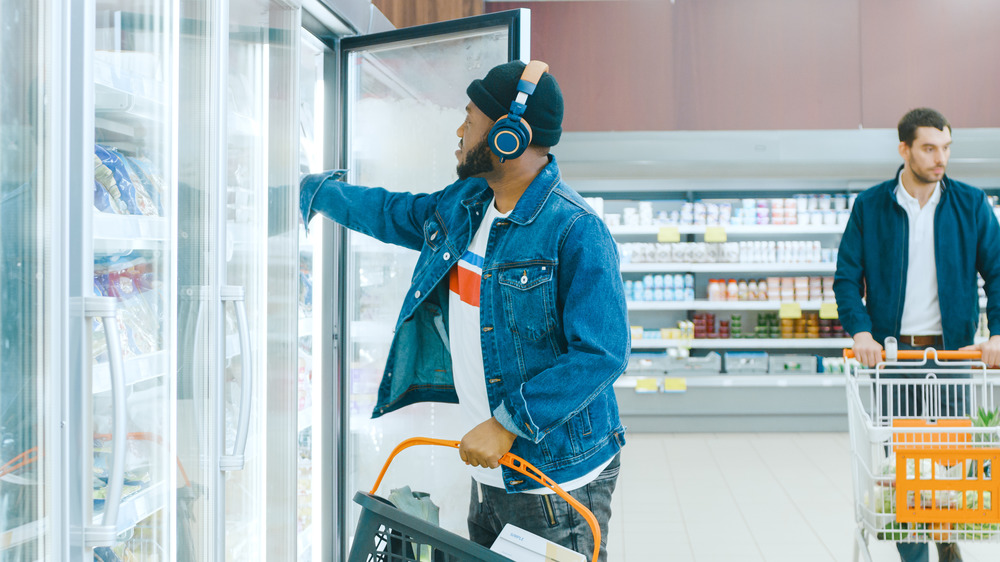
x,y
741,497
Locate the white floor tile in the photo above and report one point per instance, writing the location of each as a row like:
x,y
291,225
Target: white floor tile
x,y
742,497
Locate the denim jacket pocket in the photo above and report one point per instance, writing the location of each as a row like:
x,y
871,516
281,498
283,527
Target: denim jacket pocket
x,y
528,298
434,232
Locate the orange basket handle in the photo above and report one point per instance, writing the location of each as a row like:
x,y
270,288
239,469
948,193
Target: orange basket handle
x,y
512,461
930,354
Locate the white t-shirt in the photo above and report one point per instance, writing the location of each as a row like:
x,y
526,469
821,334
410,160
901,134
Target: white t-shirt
x,y
467,349
921,309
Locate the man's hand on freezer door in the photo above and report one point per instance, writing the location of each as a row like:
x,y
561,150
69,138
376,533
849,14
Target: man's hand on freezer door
x,y
990,350
866,350
485,444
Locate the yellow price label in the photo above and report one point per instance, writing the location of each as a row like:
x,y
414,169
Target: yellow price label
x,y
668,234
790,310
715,234
674,384
828,311
647,384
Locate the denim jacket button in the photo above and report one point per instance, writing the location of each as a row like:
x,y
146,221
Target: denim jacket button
x,y
446,256
524,279
417,294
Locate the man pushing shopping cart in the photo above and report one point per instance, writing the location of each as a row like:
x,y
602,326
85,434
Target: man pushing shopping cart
x,y
907,269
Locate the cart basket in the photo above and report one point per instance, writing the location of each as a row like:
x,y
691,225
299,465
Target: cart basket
x,y
387,534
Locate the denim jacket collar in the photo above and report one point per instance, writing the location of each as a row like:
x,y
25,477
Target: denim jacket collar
x,y
533,198
531,201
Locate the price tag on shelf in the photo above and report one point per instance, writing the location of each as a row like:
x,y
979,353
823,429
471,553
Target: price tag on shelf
x,y
715,234
647,385
668,234
828,311
674,384
790,310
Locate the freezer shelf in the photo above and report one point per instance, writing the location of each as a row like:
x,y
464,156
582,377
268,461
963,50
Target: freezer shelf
x,y
137,369
22,534
124,233
139,507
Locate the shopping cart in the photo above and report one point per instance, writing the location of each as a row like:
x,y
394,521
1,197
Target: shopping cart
x,y
386,534
922,448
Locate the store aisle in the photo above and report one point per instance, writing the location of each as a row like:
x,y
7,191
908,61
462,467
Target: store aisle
x,y
741,497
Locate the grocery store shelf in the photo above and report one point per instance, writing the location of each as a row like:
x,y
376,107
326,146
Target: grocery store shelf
x,y
775,380
659,343
114,233
137,508
746,343
717,305
22,534
765,268
749,229
137,369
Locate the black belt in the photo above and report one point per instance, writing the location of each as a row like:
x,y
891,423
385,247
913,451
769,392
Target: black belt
x,y
922,341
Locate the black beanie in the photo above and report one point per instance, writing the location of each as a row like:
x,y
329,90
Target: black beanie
x,y
544,108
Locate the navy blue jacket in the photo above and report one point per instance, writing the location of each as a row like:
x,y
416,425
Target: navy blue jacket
x,y
875,249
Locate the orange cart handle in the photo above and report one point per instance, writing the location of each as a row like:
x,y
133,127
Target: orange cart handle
x,y
930,353
512,461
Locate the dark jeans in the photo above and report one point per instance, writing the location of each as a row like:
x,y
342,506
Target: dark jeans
x,y
548,515
909,403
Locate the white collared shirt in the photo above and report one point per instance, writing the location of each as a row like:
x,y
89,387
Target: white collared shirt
x,y
921,309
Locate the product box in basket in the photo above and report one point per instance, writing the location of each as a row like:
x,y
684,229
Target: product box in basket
x,y
517,544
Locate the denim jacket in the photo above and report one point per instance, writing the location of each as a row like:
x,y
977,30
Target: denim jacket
x,y
554,324
874,252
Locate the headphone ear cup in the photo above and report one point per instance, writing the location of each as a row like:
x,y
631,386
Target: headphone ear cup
x,y
508,138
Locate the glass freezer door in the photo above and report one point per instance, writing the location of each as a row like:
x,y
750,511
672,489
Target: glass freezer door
x,y
405,98
26,310
238,281
261,258
131,307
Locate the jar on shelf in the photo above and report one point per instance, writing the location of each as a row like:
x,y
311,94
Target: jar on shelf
x,y
714,290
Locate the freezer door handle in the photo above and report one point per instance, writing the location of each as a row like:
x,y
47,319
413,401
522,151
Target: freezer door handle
x,y
232,462
106,534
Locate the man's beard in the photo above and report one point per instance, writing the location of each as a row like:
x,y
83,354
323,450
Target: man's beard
x,y
926,179
477,161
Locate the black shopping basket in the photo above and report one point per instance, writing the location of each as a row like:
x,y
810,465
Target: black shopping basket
x,y
386,534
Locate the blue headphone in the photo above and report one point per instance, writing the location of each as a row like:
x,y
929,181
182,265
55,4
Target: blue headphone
x,y
510,135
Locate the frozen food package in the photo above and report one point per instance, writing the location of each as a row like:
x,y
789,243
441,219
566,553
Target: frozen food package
x,y
119,177
146,202
141,322
157,186
107,197
134,193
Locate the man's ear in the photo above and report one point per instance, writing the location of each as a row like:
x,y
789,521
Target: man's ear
x,y
904,150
